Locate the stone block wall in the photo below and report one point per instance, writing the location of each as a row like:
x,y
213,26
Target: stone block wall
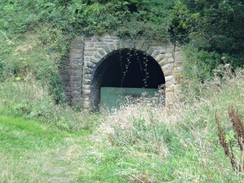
x,y
86,54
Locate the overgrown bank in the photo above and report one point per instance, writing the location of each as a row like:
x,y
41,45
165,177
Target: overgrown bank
x,y
140,142
35,35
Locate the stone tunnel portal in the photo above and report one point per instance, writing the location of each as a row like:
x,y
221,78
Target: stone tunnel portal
x,y
127,68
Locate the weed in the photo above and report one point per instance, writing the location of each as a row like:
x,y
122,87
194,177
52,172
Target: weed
x,y
183,136
142,141
228,142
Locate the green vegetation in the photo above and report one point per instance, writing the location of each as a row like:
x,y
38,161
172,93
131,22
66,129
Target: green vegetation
x,y
213,32
28,28
29,99
140,142
44,140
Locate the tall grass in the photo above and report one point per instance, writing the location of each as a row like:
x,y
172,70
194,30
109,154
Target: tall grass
x,y
184,137
30,99
143,141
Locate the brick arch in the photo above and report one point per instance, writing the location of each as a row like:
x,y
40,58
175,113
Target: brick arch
x,y
87,53
143,71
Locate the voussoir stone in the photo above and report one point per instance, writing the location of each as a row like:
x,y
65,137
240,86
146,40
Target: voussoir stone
x,y
87,54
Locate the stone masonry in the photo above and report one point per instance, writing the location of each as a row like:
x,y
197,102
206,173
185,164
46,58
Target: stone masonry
x,y
86,54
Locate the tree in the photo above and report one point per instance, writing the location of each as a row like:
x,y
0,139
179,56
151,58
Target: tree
x,y
214,26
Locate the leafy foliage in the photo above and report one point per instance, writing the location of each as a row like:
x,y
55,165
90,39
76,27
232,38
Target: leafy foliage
x,y
213,29
90,16
213,26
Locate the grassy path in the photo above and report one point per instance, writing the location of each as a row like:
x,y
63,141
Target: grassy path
x,y
32,152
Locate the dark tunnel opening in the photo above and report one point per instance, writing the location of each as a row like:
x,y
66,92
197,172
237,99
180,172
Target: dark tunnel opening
x,y
127,68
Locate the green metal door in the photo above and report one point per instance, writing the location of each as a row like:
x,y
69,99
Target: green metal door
x,y
111,97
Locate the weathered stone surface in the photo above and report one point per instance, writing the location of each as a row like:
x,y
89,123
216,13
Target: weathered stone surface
x,y
87,58
86,75
170,50
155,53
94,60
139,44
159,57
99,44
87,52
76,85
168,73
102,52
145,47
89,44
76,51
76,61
77,41
178,69
76,56
74,78
86,92
107,49
75,67
168,55
86,81
97,55
150,50
178,56
169,78
177,48
163,62
91,64
170,60
86,87
112,47
178,64
86,105
167,67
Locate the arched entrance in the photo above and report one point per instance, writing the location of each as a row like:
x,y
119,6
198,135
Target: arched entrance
x,y
100,61
125,68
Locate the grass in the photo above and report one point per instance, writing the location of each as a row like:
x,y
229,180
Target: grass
x,y
18,101
35,152
23,143
183,137
142,142
18,134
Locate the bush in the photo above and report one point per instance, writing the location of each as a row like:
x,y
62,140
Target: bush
x,y
198,67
